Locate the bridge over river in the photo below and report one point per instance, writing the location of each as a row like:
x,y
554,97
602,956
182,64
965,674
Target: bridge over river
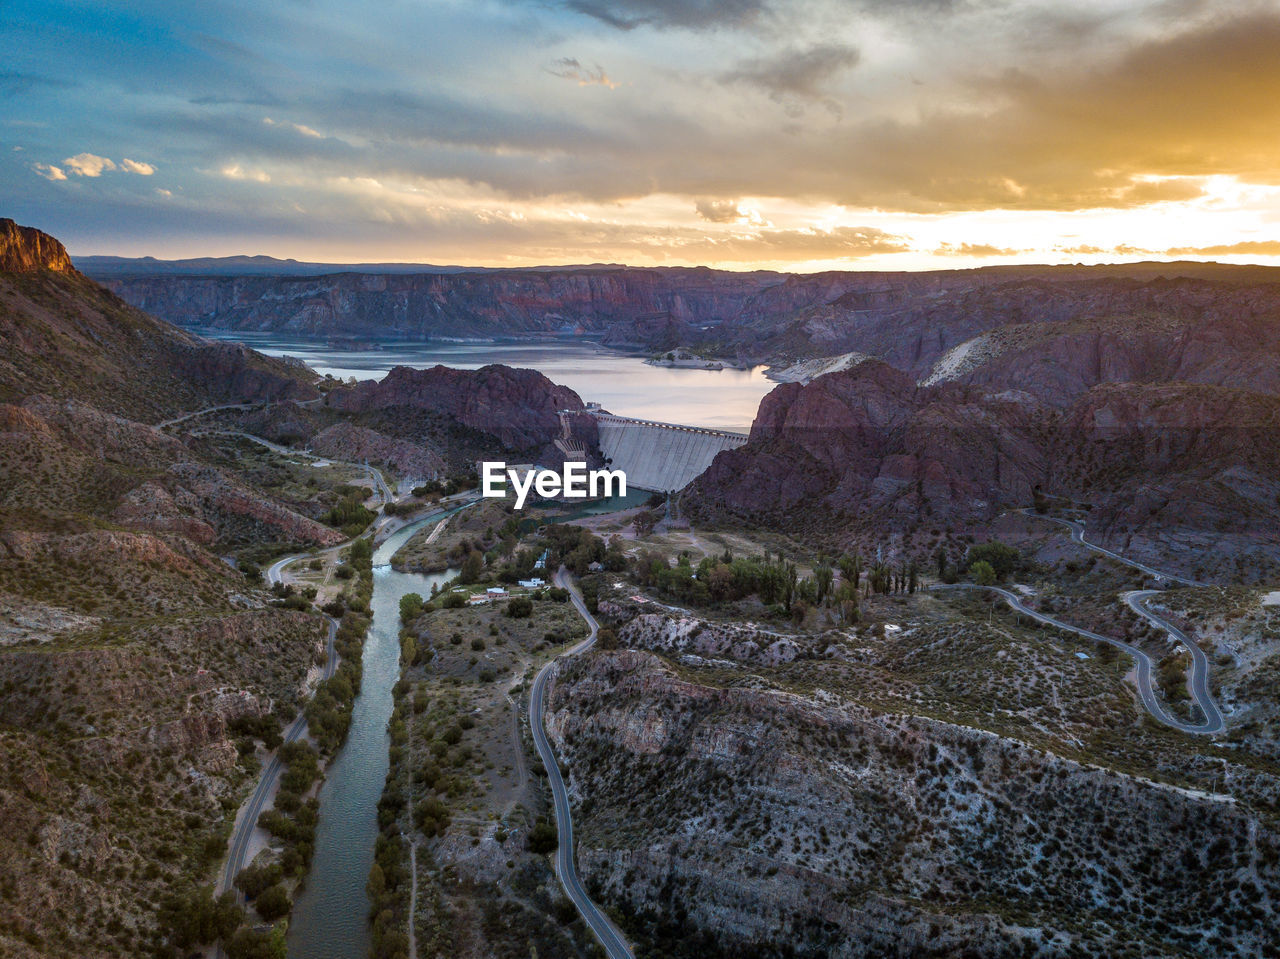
x,y
655,456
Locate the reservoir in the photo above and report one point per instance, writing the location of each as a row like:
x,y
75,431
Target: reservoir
x,y
624,384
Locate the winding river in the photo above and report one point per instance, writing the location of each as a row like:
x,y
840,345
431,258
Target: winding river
x,y
330,918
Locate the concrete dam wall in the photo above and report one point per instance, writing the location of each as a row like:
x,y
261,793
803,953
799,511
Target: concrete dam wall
x,y
660,456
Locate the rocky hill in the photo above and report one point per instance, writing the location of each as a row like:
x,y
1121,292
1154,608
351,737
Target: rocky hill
x,y
131,649
61,333
730,807
1175,470
516,406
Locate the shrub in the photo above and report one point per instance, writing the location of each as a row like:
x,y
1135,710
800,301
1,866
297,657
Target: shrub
x,y
543,838
519,607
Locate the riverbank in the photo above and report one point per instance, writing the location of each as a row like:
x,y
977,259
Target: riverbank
x,y
463,785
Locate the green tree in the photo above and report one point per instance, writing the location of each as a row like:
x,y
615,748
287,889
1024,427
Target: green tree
x,y
254,944
472,566
1001,558
410,607
519,607
823,575
273,903
193,917
982,573
543,838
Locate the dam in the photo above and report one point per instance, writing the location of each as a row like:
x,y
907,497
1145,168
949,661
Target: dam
x,y
655,456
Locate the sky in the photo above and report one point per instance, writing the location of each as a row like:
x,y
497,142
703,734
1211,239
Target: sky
x,y
742,134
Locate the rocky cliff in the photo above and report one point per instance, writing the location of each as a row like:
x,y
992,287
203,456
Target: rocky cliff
x,y
24,249
722,813
908,319
429,305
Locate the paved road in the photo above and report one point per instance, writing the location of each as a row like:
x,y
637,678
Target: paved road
x,y
208,409
1145,667
379,481
1137,601
1077,534
615,946
1214,723
253,808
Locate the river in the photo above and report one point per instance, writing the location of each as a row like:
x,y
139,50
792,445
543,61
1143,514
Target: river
x,y
621,383
330,917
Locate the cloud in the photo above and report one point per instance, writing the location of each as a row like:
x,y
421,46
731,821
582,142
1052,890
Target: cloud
x,y
974,249
234,171
663,14
88,164
306,131
719,211
569,68
839,243
49,172
1243,248
795,73
136,166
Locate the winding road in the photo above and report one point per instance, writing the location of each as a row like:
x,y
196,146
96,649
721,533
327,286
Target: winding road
x,y
1077,534
1213,722
165,424
248,820
615,946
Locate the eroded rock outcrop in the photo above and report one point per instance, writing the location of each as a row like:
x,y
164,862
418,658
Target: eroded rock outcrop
x,y
518,407
24,249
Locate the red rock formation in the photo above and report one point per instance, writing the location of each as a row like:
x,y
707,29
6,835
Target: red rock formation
x,y
1176,471
518,407
24,249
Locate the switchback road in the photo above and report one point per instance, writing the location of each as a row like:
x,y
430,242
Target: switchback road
x,y
1137,601
1145,667
615,946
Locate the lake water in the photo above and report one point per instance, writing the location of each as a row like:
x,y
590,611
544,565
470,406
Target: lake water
x,y
621,383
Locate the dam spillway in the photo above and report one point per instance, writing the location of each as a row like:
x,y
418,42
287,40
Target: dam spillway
x,y
660,456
